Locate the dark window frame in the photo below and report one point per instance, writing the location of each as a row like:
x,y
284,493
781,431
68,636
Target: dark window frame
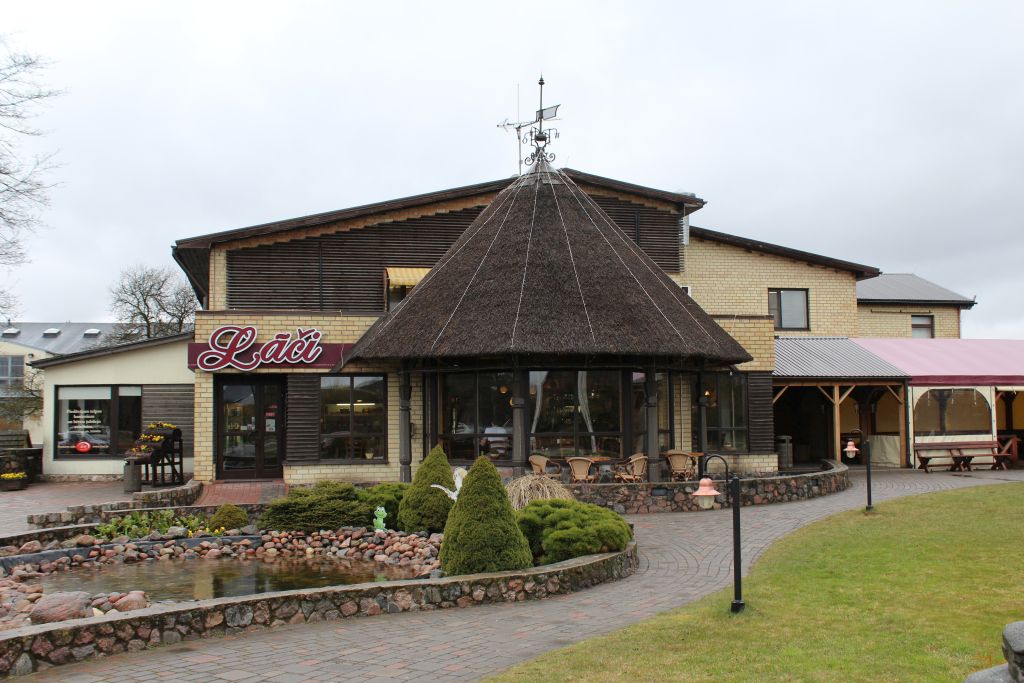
x,y
698,385
445,437
7,379
115,396
383,436
777,312
918,326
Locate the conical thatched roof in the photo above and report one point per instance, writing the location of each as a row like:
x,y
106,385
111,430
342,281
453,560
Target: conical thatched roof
x,y
543,270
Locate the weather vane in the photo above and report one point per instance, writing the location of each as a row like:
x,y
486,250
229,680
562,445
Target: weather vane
x,y
537,136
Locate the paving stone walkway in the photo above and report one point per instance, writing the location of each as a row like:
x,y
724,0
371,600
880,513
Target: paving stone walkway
x,y
15,506
684,556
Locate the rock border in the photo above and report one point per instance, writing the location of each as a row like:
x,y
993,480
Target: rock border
x,y
649,497
28,649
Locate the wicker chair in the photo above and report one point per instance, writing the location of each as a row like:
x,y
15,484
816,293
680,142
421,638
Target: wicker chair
x,y
580,469
541,463
682,464
632,470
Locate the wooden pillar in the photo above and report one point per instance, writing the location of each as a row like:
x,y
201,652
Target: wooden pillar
x,y
519,435
404,424
905,452
837,438
653,454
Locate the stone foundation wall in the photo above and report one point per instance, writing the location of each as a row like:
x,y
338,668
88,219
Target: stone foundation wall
x,y
31,648
179,498
88,514
678,496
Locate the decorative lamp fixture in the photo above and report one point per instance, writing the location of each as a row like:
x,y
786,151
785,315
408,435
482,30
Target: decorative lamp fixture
x,y
706,494
851,450
503,389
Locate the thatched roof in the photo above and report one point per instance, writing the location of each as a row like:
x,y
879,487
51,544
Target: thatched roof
x,y
543,270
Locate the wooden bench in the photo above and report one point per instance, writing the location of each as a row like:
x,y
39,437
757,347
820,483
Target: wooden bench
x,y
959,460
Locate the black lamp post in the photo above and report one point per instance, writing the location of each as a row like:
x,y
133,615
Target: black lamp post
x,y
851,453
705,496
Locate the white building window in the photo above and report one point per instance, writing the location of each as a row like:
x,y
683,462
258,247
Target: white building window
x,y
12,370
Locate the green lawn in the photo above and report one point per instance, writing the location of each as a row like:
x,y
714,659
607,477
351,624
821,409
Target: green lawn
x,y
918,590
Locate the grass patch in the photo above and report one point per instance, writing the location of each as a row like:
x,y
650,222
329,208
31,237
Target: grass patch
x,y
918,590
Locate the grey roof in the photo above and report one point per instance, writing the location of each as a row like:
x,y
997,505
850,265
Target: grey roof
x,y
69,337
829,358
98,351
907,288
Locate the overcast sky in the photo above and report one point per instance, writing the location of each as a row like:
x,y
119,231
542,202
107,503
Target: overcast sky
x,y
886,133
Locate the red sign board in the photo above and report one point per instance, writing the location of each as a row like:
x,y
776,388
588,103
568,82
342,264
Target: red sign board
x,y
83,446
235,346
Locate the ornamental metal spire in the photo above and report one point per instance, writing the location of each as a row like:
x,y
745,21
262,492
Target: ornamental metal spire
x,y
537,136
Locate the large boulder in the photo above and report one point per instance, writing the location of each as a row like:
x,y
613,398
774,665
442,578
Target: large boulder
x,y
61,607
134,600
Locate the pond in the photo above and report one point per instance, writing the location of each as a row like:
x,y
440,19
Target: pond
x,y
203,579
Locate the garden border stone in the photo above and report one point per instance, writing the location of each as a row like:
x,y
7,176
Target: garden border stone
x,y
30,648
632,499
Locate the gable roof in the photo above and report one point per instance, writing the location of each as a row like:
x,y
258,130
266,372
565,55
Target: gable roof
x,y
907,288
829,358
858,269
543,270
111,350
68,338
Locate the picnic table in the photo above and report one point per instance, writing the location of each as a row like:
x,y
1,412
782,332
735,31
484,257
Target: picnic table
x,y
961,461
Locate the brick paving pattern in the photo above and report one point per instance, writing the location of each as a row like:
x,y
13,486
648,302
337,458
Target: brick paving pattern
x,y
53,497
241,492
684,556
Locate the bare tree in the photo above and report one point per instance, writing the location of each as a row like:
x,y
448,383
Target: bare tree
x,y
23,400
150,302
23,189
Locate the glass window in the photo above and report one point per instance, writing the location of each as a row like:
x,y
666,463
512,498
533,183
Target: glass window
x,y
476,413
396,295
940,412
726,394
353,417
788,307
576,412
12,370
922,326
97,421
638,412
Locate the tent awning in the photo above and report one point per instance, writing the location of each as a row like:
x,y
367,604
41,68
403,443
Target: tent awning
x,y
405,277
944,362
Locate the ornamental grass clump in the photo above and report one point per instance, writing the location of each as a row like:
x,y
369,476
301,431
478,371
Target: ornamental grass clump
x,y
327,505
481,534
424,508
563,529
531,487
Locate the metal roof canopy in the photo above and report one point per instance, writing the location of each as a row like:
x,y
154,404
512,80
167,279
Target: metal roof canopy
x,y
829,358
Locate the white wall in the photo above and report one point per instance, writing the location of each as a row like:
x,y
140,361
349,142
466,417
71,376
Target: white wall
x,y
163,364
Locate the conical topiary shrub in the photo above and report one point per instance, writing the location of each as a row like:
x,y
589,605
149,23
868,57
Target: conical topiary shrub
x,y
481,534
424,508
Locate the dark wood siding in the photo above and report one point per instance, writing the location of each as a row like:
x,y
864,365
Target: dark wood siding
x,y
302,413
345,270
656,231
172,403
759,409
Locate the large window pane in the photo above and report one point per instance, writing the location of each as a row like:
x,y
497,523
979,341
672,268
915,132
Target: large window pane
x,y
952,411
459,409
83,424
794,309
599,401
726,395
129,420
495,407
353,417
552,400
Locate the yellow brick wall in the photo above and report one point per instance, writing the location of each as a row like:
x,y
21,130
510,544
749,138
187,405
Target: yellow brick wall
x,y
756,334
336,329
728,280
893,320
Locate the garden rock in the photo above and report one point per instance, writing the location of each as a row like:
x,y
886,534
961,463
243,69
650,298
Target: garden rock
x,y
249,530
30,547
61,607
176,532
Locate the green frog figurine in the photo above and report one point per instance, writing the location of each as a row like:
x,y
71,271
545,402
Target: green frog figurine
x,y
378,518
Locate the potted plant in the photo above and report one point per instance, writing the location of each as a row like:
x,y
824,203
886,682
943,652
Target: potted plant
x,y
13,481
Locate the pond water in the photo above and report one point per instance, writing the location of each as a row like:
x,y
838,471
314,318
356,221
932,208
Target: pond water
x,y
203,579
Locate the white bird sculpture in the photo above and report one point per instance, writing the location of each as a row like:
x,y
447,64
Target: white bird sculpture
x,y
459,474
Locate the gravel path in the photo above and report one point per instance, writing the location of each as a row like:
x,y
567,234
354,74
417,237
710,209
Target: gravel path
x,y
684,556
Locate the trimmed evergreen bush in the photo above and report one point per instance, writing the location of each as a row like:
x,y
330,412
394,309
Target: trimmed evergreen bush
x,y
389,495
228,516
327,505
481,534
424,508
562,529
